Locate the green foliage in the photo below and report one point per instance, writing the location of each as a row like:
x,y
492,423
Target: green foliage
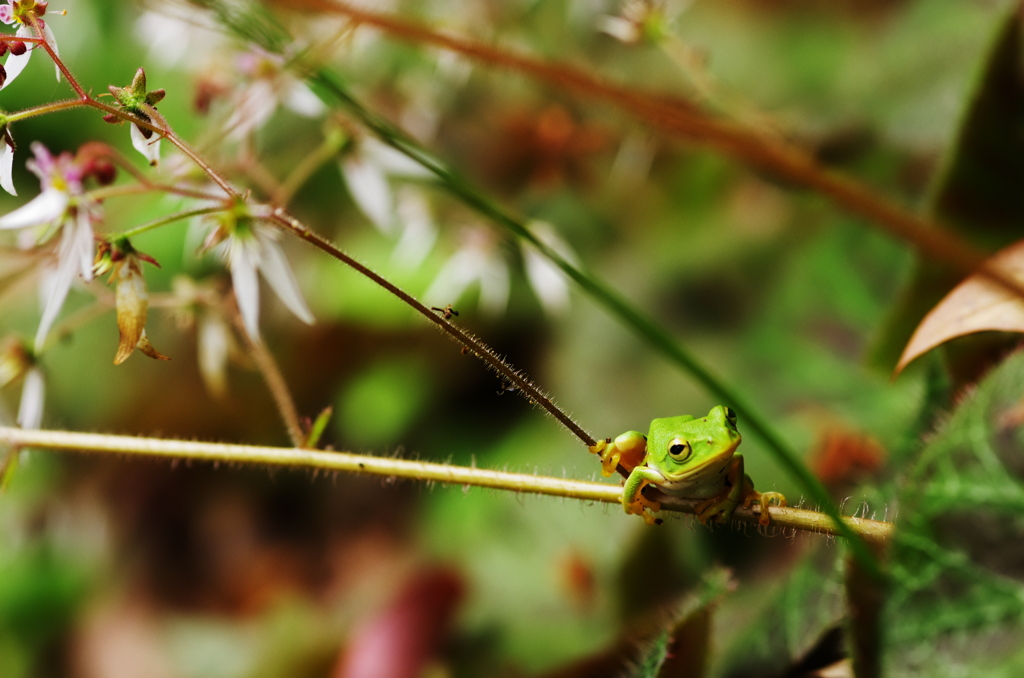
x,y
697,283
955,563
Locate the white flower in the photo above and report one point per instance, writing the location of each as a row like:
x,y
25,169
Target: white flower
x,y
546,278
418,229
199,307
641,20
172,40
270,85
249,246
62,205
33,391
369,169
27,14
479,260
18,362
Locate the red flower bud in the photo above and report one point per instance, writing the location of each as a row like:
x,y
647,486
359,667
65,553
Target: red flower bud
x,y
104,171
3,75
3,47
17,47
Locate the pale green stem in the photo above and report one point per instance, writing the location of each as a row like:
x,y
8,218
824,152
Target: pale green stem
x,y
147,187
44,109
330,147
800,519
170,219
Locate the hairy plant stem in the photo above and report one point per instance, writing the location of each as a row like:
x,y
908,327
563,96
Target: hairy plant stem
x,y
273,378
170,219
475,346
472,197
800,519
606,296
265,362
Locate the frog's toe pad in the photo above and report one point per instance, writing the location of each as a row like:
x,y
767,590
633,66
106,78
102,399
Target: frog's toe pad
x,y
764,500
645,508
609,454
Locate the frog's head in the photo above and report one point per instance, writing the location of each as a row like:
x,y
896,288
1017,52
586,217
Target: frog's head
x,y
679,447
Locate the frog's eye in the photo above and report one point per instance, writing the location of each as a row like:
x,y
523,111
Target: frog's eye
x,y
679,449
730,416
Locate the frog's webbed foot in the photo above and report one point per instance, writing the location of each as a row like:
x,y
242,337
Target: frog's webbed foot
x,y
609,454
627,449
764,499
719,508
643,507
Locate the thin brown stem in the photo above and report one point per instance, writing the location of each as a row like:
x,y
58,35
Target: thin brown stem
x,y
163,129
41,41
527,388
273,378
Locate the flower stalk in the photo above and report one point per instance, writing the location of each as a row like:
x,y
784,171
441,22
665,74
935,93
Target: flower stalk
x,y
389,467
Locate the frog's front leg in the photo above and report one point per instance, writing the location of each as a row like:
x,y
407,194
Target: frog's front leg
x,y
721,506
633,500
627,449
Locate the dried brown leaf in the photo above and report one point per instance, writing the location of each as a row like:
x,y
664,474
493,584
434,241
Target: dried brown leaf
x,y
975,305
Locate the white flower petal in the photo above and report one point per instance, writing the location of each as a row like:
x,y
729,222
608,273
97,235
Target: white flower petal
x,y
461,269
547,280
15,64
279,276
418,230
370,190
494,287
247,287
621,29
30,411
52,41
391,161
149,148
42,209
213,344
253,106
7,168
300,99
55,288
84,246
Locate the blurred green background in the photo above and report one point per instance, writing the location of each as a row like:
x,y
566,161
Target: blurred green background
x,y
112,567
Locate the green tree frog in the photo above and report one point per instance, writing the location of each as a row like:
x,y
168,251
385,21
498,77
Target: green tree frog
x,y
686,457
